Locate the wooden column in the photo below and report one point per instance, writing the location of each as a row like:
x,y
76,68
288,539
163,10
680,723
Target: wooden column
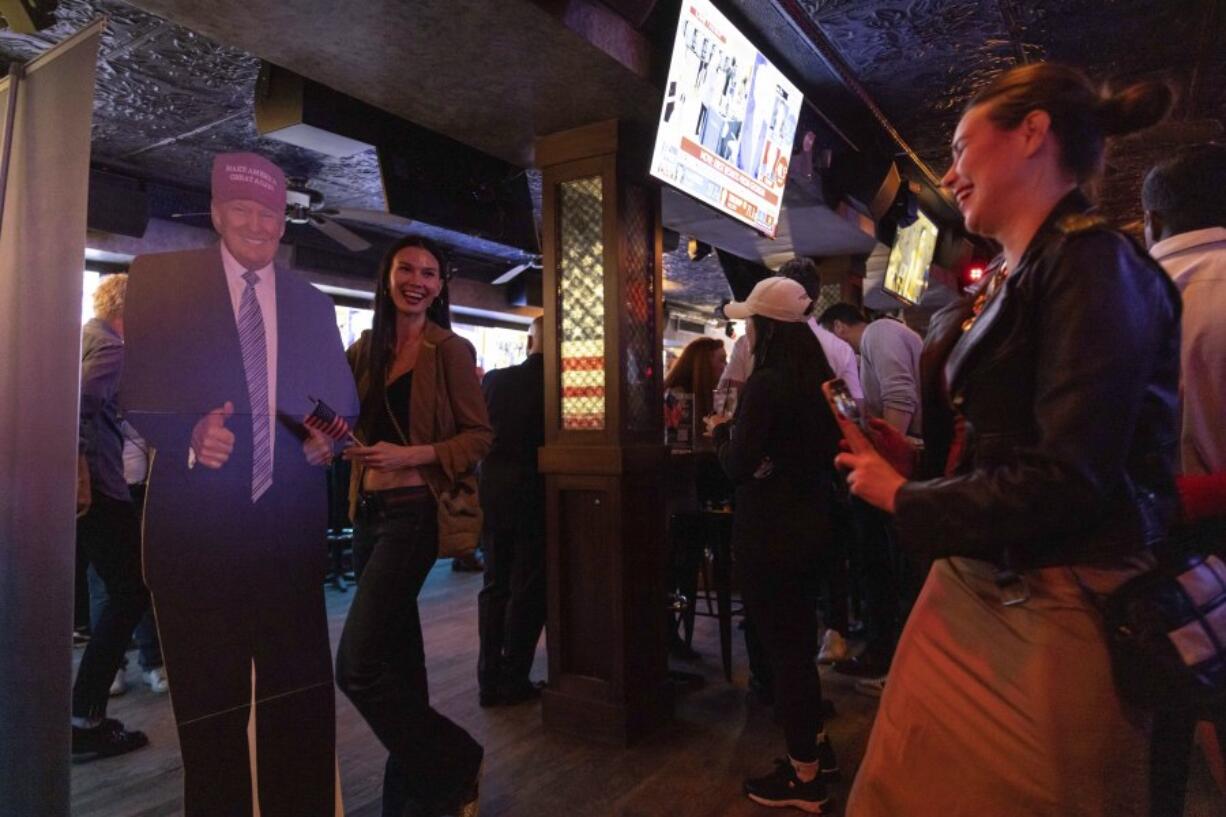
x,y
604,456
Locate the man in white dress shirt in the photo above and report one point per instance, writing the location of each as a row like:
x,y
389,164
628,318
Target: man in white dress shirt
x,y
1184,199
1185,226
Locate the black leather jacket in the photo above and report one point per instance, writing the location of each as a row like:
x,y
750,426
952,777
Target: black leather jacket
x,y
1067,382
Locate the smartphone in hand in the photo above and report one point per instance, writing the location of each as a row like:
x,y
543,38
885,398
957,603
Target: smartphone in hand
x,y
847,413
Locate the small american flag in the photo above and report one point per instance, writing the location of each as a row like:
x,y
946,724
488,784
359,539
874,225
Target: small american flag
x,y
327,422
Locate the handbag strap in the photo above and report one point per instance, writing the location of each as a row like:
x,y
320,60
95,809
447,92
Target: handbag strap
x,y
1096,599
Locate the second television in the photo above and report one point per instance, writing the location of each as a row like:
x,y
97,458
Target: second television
x,y
906,273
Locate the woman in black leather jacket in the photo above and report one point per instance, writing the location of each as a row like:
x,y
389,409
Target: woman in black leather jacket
x,y
1058,382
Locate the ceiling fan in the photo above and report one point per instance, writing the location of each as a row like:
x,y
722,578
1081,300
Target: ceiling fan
x,y
518,269
305,205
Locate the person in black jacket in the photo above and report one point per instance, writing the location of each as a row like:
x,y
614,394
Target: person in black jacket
x,y
777,450
1057,385
511,607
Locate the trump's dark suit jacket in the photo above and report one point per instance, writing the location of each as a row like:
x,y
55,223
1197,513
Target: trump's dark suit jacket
x,y
184,360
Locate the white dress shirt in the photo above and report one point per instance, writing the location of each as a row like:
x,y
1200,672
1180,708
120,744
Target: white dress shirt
x,y
266,297
1196,262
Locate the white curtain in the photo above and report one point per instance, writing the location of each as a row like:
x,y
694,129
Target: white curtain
x,y
42,249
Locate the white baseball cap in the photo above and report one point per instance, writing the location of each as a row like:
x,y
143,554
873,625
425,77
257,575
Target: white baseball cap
x,y
779,298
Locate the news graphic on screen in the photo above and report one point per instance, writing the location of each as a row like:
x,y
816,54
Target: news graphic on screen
x,y
906,273
729,116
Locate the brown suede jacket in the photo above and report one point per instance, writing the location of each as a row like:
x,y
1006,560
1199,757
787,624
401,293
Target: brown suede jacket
x,y
447,411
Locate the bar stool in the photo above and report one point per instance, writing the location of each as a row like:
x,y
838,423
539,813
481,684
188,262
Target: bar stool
x,y
717,534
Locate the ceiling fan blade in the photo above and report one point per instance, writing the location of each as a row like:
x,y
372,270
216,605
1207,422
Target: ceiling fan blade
x,y
188,215
510,274
341,235
377,217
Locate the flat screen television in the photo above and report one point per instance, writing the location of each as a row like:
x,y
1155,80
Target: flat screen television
x,y
906,273
729,116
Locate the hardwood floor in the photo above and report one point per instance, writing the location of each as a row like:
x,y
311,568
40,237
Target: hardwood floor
x,y
692,767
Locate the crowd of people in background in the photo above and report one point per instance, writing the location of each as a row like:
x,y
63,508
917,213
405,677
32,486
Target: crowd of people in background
x,y
1025,463
1027,449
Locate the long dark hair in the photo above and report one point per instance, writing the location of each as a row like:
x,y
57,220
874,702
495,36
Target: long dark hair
x,y
1081,117
793,351
382,347
790,348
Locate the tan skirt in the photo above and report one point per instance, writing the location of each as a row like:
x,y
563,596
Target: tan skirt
x,y
994,711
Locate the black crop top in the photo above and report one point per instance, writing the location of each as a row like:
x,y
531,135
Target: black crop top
x,y
399,392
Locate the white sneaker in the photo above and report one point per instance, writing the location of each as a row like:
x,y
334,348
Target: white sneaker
x,y
872,687
120,685
156,679
834,648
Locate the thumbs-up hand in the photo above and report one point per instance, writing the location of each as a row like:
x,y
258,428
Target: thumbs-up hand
x,y
211,440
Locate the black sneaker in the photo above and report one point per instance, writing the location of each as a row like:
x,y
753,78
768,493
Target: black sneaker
x,y
827,761
782,788
106,740
863,666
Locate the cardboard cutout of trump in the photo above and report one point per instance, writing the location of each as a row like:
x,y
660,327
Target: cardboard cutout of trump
x,y
224,349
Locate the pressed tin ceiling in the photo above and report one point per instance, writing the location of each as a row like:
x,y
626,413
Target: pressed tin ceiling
x,y
922,61
167,99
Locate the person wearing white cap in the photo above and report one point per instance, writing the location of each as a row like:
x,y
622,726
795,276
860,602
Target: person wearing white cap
x,y
773,450
846,366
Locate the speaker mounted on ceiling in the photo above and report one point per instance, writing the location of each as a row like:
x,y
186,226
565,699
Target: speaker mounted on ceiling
x,y
872,181
28,16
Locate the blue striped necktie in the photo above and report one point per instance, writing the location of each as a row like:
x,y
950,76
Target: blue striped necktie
x,y
255,366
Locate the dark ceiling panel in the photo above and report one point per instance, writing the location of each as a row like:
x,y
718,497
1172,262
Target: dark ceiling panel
x,y
418,60
167,99
922,60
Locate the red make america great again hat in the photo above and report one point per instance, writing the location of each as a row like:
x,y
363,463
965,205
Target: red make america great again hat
x,y
248,176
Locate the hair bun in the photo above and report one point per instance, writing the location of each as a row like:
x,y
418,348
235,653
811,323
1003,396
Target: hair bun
x,y
1134,108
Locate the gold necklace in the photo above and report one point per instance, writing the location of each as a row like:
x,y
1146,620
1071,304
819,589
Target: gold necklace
x,y
981,300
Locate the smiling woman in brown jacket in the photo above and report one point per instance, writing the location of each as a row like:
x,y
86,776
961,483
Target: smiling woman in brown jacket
x,y
414,495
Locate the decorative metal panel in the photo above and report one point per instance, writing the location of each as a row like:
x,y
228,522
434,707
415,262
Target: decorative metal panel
x,y
639,382
827,296
581,303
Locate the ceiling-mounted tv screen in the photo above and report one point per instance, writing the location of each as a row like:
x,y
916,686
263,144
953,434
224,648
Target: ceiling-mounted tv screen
x,y
906,273
729,116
